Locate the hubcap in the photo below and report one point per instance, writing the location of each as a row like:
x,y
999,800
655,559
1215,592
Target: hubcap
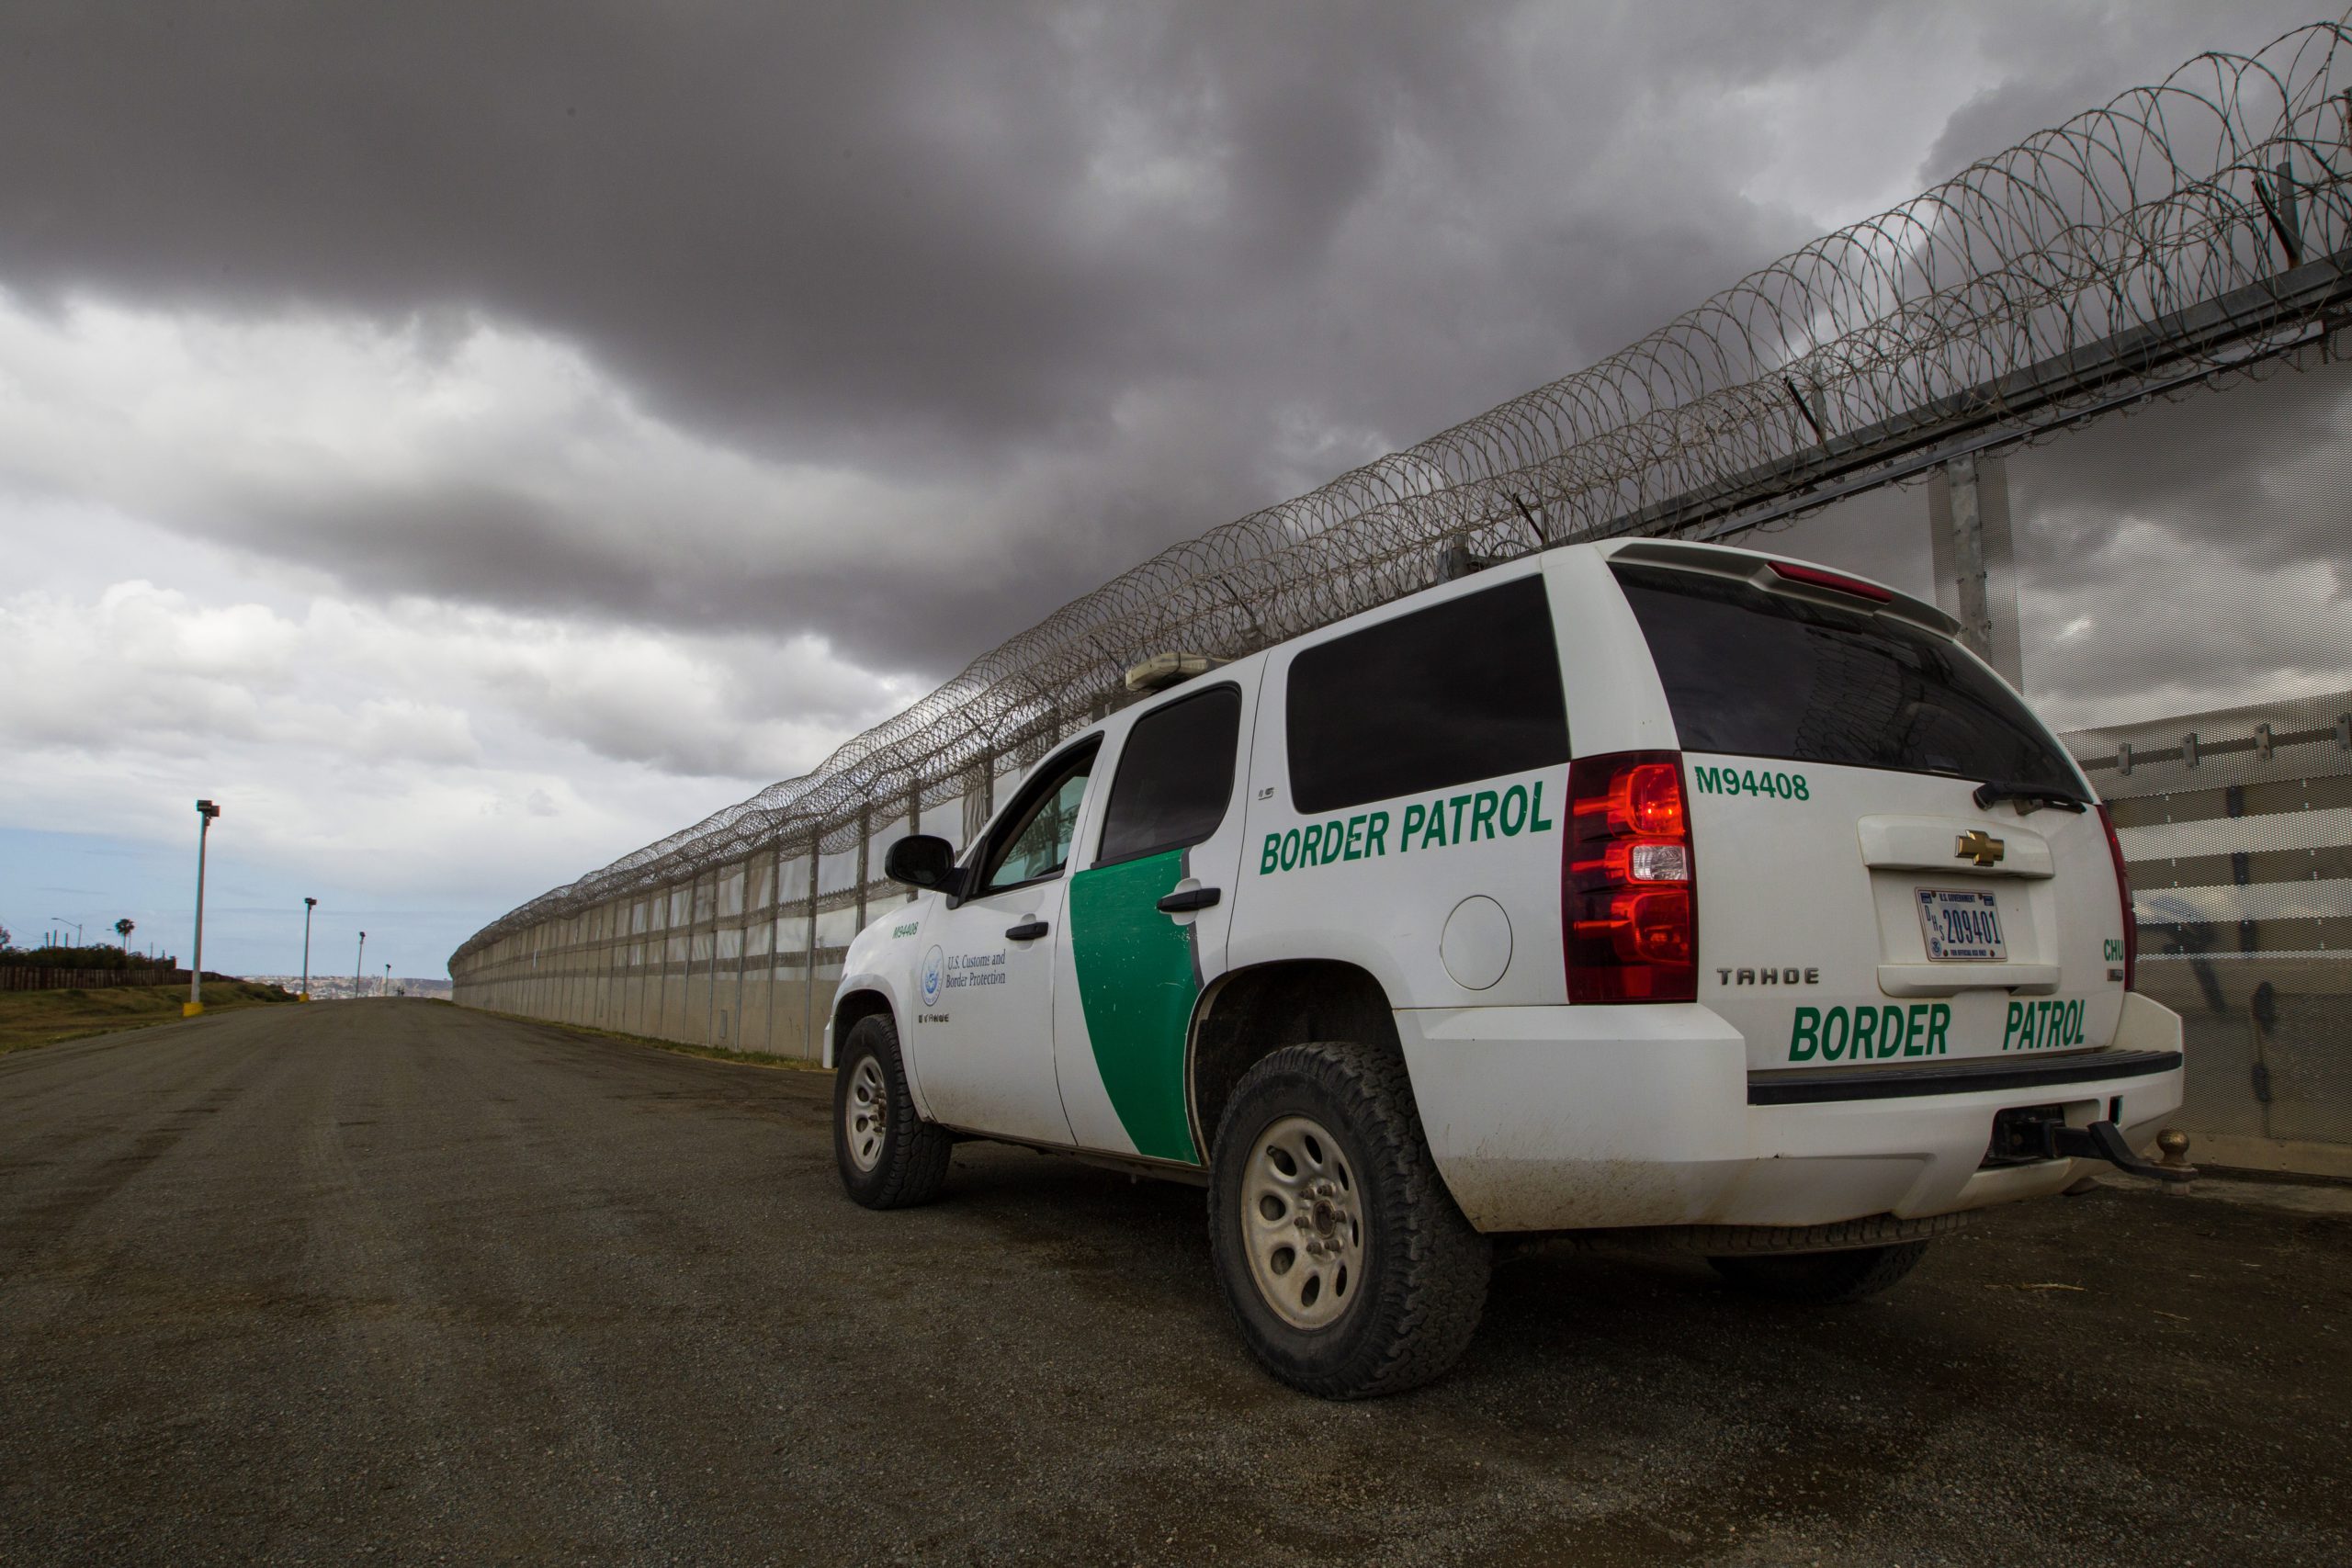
x,y
1302,1218
866,1117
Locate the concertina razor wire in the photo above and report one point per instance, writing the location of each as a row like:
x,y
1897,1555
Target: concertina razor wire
x,y
2184,233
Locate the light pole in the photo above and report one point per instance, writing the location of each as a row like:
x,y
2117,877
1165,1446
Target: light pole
x,y
307,905
205,812
388,979
75,924
356,992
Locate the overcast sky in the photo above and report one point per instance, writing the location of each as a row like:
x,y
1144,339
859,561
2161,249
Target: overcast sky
x,y
472,441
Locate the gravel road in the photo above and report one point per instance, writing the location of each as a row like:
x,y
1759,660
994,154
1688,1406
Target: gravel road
x,y
394,1280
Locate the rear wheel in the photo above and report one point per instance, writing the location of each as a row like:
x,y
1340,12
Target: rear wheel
x,y
1346,1264
1823,1278
889,1157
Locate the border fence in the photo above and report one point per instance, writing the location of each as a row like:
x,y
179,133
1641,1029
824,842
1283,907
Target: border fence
x,y
2237,830
2187,235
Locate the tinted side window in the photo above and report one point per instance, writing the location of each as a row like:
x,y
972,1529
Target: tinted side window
x,y
1036,840
1761,674
1464,690
1175,777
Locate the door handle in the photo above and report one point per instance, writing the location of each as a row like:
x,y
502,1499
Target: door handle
x,y
1191,898
1027,931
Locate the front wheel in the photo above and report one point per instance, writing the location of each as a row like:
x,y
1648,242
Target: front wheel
x,y
1345,1261
889,1157
1823,1278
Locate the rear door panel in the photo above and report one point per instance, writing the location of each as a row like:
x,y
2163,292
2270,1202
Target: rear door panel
x,y
1819,957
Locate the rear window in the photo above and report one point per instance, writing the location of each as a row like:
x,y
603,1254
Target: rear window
x,y
1464,690
1758,675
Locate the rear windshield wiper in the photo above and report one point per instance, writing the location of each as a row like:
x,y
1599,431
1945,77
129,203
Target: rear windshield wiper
x,y
2030,796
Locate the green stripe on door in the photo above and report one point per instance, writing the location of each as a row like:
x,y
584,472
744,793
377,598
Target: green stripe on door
x,y
1137,981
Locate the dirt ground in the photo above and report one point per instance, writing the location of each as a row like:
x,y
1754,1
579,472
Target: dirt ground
x,y
391,1280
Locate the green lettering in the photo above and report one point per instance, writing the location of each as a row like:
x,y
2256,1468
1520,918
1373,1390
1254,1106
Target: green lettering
x,y
2010,1032
1708,779
1939,1021
1865,1032
1892,1033
1915,1030
1352,847
1458,802
1831,1049
1804,1038
1511,825
1748,783
1482,814
2074,1023
1435,834
1310,854
1376,834
1536,821
1803,791
1415,815
1291,850
1274,854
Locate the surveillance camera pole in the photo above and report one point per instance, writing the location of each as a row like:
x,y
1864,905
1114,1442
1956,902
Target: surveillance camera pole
x,y
205,812
356,992
307,905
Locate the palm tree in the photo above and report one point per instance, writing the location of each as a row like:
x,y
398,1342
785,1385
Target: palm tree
x,y
123,928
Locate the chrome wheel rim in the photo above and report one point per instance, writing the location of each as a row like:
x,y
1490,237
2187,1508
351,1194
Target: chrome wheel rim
x,y
1303,1223
865,1113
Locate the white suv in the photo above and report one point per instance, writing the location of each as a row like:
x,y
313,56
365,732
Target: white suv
x,y
1685,893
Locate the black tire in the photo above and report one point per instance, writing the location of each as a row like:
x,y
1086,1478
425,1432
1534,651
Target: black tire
x,y
1823,1278
1408,1274
896,1159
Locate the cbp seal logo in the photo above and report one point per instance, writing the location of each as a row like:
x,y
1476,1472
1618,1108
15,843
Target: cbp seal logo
x,y
931,977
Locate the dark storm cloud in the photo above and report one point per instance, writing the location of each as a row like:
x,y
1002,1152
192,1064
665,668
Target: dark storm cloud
x,y
800,223
939,246
1111,275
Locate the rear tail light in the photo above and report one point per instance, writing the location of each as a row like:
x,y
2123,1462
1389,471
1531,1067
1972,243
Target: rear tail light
x,y
2124,891
1628,887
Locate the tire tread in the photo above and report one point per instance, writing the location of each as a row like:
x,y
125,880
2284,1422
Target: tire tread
x,y
1433,1289
915,1154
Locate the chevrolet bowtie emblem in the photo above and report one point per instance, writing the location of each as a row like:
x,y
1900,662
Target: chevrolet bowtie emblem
x,y
1979,846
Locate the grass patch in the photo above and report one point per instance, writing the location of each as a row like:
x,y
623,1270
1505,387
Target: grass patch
x,y
710,1052
43,1017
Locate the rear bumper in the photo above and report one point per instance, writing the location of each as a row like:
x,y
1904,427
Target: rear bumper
x,y
1576,1118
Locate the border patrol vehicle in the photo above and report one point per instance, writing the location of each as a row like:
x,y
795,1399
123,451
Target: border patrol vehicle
x,y
1677,893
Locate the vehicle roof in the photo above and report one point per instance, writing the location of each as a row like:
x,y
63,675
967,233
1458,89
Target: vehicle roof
x,y
1729,560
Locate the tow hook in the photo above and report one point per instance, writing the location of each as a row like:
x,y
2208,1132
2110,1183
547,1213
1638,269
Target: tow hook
x,y
2102,1140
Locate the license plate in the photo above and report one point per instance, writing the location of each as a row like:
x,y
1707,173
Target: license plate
x,y
1962,926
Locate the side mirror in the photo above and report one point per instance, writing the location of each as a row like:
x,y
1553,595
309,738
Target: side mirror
x,y
921,859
